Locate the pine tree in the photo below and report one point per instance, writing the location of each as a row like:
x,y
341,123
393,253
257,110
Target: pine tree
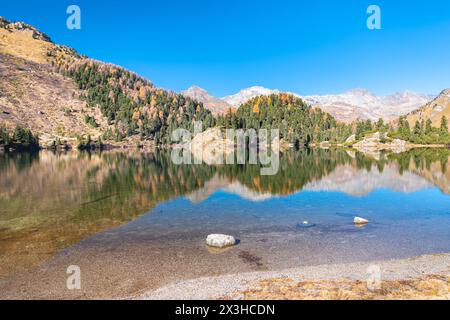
x,y
444,126
428,127
360,129
417,129
4,137
380,125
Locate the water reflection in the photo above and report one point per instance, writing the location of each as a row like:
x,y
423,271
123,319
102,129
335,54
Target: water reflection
x,y
50,201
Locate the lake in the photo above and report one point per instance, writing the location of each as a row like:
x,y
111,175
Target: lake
x,y
135,221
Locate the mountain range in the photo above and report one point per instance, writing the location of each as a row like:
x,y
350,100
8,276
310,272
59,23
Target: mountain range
x,y
61,95
348,106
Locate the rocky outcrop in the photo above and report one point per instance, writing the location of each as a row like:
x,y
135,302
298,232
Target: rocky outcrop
x,y
211,146
3,22
351,139
20,26
379,142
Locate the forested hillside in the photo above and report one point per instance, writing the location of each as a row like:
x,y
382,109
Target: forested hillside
x,y
298,122
130,103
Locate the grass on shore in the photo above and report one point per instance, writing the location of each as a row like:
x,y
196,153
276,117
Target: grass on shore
x,y
427,287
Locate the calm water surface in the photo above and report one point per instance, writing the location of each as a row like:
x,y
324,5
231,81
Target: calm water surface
x,y
133,222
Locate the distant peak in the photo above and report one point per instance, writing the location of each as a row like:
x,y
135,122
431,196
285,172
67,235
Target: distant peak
x,y
195,91
215,105
195,88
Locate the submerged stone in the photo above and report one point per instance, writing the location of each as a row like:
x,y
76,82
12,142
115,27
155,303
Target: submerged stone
x,y
305,225
359,221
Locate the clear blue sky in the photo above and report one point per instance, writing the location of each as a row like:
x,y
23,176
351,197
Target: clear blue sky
x,y
308,47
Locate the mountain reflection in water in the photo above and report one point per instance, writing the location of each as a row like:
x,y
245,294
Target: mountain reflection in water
x,y
51,201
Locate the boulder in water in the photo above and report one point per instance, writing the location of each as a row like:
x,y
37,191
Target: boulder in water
x,y
360,221
220,241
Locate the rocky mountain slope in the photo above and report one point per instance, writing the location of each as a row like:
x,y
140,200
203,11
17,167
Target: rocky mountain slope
x,y
32,94
433,110
213,104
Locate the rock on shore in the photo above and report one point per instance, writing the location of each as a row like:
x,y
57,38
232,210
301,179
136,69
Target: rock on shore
x,y
378,142
211,146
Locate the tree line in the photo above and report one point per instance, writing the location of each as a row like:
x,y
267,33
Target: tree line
x,y
423,132
19,139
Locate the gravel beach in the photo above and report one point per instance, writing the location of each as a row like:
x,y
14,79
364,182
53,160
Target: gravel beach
x,y
237,286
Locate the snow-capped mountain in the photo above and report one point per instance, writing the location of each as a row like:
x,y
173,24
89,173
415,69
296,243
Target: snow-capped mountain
x,y
363,104
244,95
215,105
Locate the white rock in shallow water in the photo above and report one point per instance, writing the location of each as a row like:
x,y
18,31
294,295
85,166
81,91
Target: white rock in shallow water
x,y
359,220
220,241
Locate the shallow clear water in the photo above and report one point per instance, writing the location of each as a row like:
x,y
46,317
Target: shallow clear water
x,y
142,221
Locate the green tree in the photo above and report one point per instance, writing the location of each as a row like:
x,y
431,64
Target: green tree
x,y
380,125
4,137
417,129
428,127
360,129
444,126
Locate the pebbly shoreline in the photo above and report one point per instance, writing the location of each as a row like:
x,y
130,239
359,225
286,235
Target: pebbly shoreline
x,y
235,286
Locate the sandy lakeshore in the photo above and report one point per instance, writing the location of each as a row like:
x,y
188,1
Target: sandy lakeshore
x,y
424,277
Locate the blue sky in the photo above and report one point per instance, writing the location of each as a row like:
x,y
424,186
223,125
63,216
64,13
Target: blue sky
x,y
308,47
